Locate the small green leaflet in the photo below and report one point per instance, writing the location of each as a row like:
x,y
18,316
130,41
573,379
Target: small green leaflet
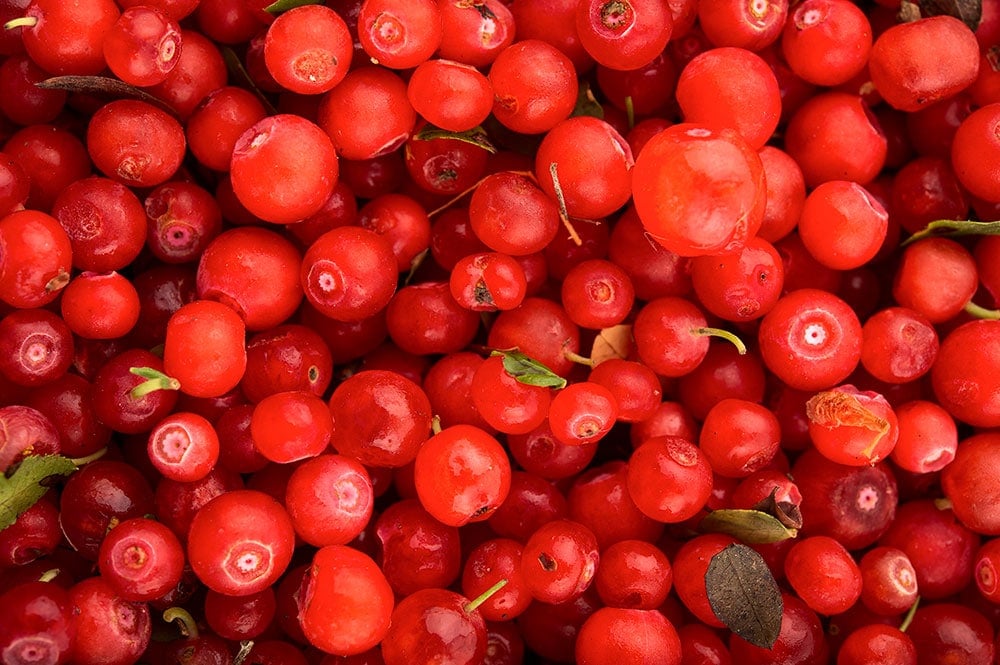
x,y
751,526
528,370
24,487
953,228
743,594
476,136
285,5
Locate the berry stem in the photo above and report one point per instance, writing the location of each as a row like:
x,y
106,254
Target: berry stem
x,y
561,200
155,380
724,334
577,358
21,22
185,622
474,604
630,111
80,461
246,646
910,613
48,575
972,309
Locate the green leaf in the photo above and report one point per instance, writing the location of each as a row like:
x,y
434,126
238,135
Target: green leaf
x,y
476,136
751,526
528,370
586,103
243,79
285,5
103,86
25,486
743,594
952,228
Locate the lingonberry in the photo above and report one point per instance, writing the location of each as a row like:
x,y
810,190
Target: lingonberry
x,y
214,127
749,25
448,386
67,39
287,357
487,564
240,542
969,483
960,375
470,95
443,165
739,437
308,50
26,103
987,569
851,426
41,626
380,418
162,290
673,186
949,631
205,349
811,339
599,500
338,210
506,404
488,281
669,479
181,220
635,388
271,175
908,76
582,412
14,185
415,550
462,475
399,36
852,504
585,162
765,484
100,305
550,630
976,135
237,452
509,213
623,35
183,446
51,157
554,22
344,602
654,270
143,46
955,279
710,92
597,293
349,273
926,189
240,617
826,42
266,294
724,373
833,136
436,624
200,70
329,499
367,92
130,401
648,88
36,347
531,502
945,568
671,336
36,258
110,629
888,581
823,574
559,561
928,437
898,344
475,34
741,285
800,640
135,143
540,329
624,635
534,86
842,225
634,574
141,559
690,563
403,221
176,503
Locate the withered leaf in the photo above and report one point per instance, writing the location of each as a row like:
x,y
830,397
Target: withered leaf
x,y
969,12
613,342
952,228
751,526
284,5
743,594
785,511
103,86
587,104
476,136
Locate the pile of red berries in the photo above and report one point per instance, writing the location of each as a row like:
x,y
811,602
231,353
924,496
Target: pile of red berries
x,y
392,332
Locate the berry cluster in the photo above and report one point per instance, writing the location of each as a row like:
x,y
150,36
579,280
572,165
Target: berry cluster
x,y
393,332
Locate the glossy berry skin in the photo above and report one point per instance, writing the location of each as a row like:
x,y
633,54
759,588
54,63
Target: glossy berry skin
x,y
909,77
435,625
898,344
205,348
634,574
690,563
842,225
597,293
599,500
739,286
954,286
949,631
240,542
534,86
559,561
270,174
823,574
67,39
959,376
623,35
852,427
748,25
506,404
184,446
630,636
491,561
976,135
36,347
380,418
104,221
141,559
669,479
110,629
826,42
667,337
695,207
635,387
367,92
739,437
510,214
33,535
969,482
120,403
100,305
349,273
240,617
290,426
888,581
40,627
416,551
135,143
143,46
582,412
344,602
811,339
471,100
800,641
286,357
462,474
35,258
877,643
308,50
488,281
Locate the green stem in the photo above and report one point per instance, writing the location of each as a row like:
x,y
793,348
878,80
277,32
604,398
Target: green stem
x,y
185,622
474,604
155,380
21,22
908,619
724,334
80,461
630,111
573,356
979,312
